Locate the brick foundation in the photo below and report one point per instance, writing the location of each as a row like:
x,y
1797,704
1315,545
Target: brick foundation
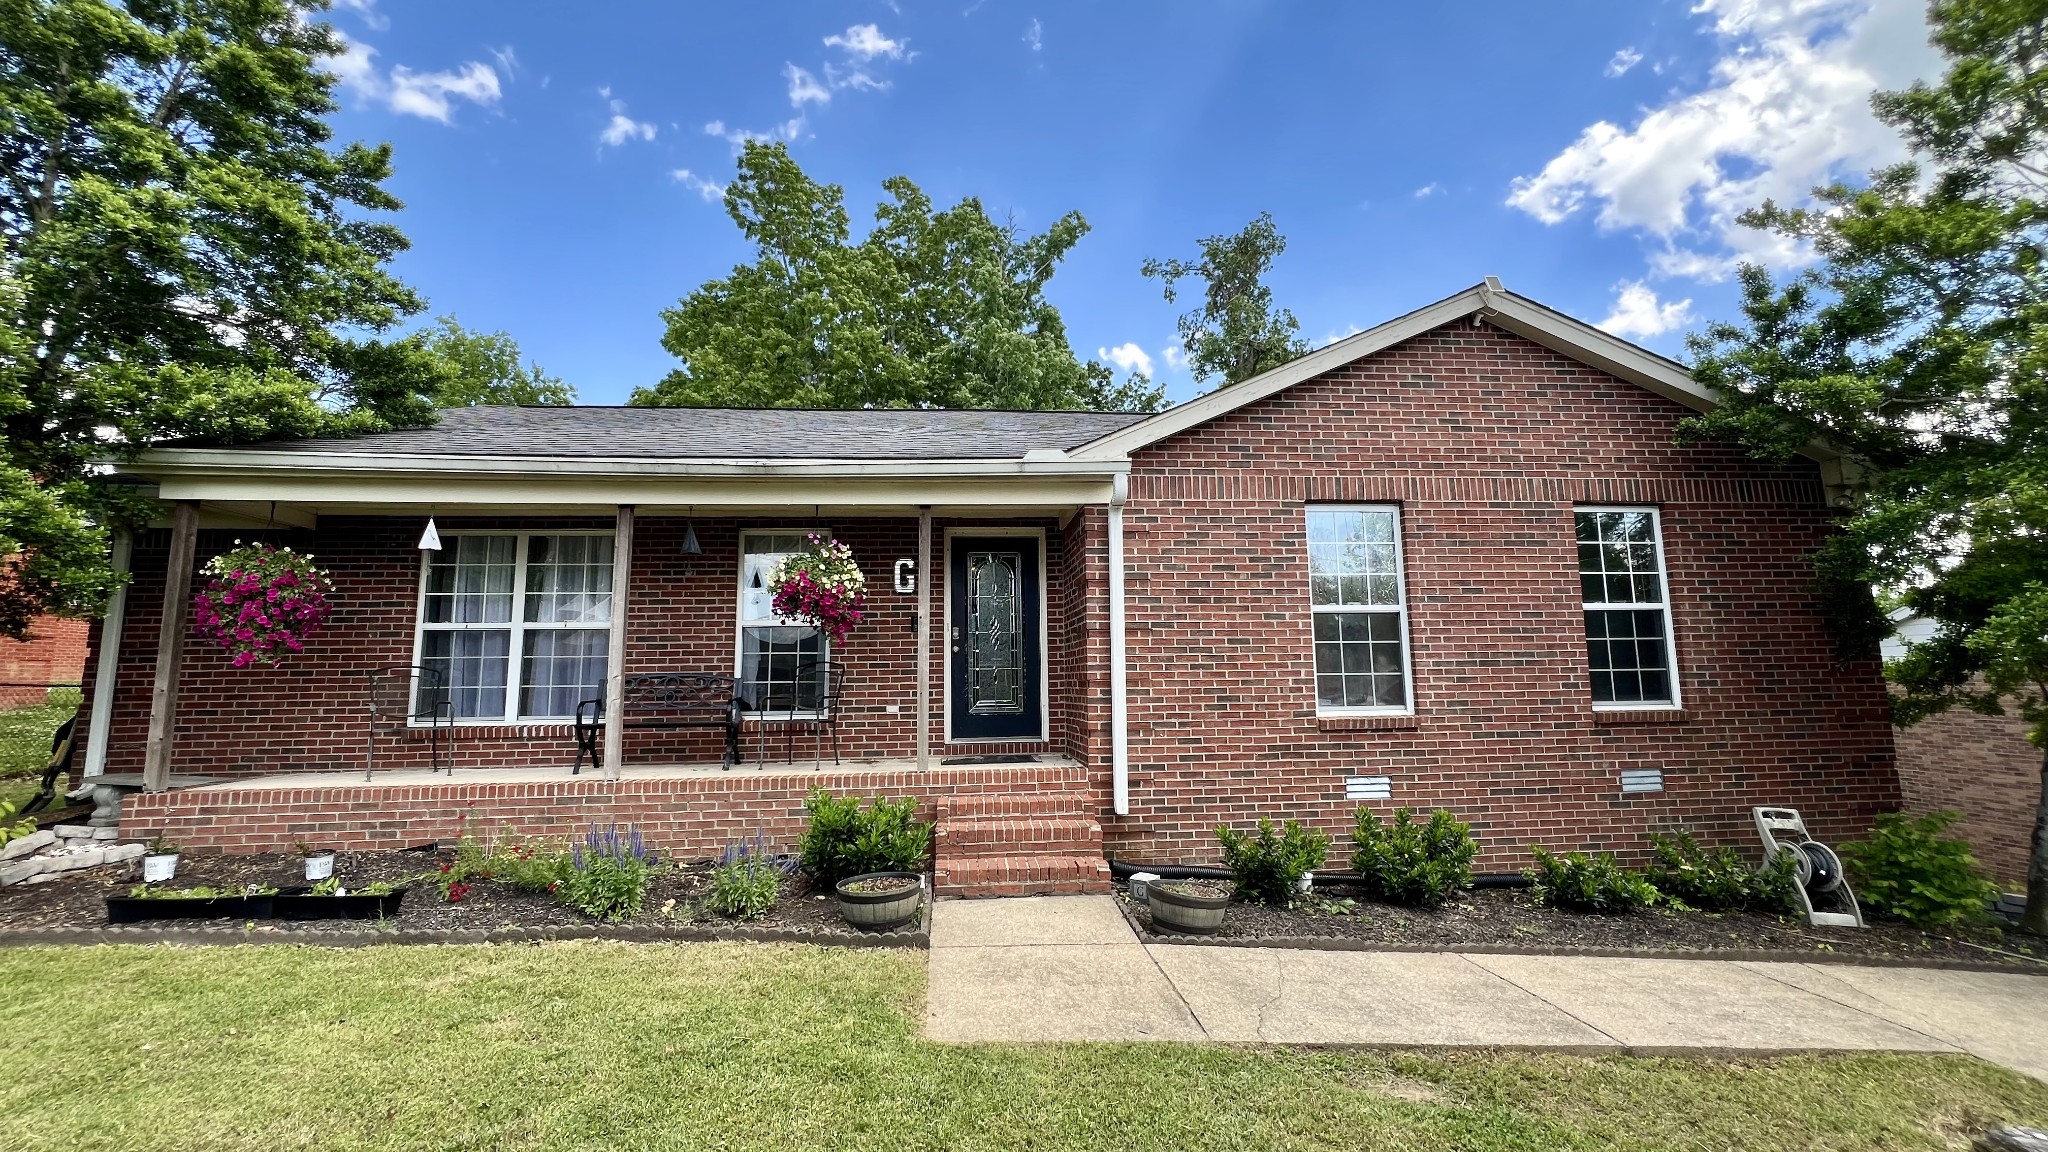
x,y
1983,767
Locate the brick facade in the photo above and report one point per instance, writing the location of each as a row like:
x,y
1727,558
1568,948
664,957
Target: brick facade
x,y
1983,767
1485,440
54,653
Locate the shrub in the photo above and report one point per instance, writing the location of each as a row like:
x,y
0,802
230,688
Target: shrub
x,y
1266,867
1909,871
1409,863
746,881
607,877
534,866
1587,883
844,839
1718,880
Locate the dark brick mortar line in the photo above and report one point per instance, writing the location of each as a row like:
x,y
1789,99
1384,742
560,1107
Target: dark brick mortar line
x,y
1759,955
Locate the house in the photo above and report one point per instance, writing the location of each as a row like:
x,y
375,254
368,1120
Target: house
x,y
1454,560
51,657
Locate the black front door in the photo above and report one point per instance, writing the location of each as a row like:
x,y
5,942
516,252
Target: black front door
x,y
992,634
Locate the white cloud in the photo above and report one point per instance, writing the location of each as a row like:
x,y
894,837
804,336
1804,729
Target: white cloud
x,y
1128,356
508,61
1638,312
622,128
1332,336
429,95
1622,61
1174,355
804,87
1430,189
787,130
708,189
1035,35
865,42
856,78
1787,108
366,10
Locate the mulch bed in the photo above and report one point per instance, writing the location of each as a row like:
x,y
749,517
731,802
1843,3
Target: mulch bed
x,y
78,901
1506,919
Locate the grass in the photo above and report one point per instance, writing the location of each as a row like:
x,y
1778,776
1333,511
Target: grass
x,y
25,734
605,1045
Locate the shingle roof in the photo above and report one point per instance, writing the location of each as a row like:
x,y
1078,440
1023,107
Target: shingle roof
x,y
702,433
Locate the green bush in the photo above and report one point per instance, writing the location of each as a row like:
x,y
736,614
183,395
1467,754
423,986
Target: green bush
x,y
1909,871
607,878
1719,880
534,866
1409,863
844,839
1587,883
1267,867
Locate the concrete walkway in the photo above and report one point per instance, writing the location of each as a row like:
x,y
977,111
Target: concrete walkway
x,y
1069,968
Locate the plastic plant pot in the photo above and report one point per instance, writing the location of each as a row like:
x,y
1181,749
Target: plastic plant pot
x,y
320,867
159,868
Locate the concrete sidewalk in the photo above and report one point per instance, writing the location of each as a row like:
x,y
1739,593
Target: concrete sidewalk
x,y
1069,968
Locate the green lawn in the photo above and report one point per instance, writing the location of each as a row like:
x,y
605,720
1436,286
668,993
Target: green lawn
x,y
603,1045
25,735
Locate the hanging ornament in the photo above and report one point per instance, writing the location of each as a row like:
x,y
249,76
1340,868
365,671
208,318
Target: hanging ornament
x,y
690,545
430,540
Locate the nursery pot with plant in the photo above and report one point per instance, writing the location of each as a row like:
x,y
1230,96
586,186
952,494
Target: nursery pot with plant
x,y
1192,906
879,901
160,863
319,865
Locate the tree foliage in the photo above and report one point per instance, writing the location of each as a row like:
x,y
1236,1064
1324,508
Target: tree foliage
x,y
941,309
485,368
185,256
1919,345
1237,332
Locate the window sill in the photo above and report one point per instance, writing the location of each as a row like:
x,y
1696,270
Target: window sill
x,y
1627,717
1365,723
495,730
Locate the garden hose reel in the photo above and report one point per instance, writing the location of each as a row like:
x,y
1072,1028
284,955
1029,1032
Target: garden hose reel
x,y
1818,879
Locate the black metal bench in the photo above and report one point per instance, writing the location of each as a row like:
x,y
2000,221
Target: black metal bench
x,y
665,700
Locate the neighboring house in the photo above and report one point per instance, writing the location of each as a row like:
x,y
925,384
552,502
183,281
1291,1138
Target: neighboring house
x,y
1982,766
53,655
1454,560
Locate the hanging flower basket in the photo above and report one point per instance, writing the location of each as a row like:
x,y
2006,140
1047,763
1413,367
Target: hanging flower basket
x,y
821,585
261,603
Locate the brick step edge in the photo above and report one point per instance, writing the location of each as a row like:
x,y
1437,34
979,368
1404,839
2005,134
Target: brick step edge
x,y
1021,836
1754,955
1021,875
1015,805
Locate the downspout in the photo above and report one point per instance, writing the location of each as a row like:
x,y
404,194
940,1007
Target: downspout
x,y
100,727
1119,705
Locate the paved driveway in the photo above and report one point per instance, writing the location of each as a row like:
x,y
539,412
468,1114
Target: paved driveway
x,y
1069,968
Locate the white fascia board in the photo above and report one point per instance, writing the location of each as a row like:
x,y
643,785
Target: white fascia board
x,y
303,465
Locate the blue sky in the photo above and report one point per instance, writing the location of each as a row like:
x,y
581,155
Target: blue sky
x,y
559,163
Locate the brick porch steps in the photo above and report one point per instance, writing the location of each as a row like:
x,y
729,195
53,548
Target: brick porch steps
x,y
1037,844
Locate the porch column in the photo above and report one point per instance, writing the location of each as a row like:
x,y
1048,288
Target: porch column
x,y
108,669
170,646
924,637
615,676
1119,705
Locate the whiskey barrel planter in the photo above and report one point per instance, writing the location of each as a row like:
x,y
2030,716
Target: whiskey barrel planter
x,y
880,901
1192,906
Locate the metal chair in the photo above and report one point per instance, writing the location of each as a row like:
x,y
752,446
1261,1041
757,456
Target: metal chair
x,y
809,701
405,696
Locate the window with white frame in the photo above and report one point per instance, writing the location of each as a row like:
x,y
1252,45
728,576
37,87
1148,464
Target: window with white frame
x,y
518,623
1358,599
1628,617
772,649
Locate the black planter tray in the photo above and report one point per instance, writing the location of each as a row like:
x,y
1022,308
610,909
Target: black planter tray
x,y
298,904
129,909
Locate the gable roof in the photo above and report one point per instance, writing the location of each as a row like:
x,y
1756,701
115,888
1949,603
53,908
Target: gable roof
x,y
617,433
1491,302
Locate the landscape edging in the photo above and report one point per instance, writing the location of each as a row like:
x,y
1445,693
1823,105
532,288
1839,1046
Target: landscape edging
x,y
918,936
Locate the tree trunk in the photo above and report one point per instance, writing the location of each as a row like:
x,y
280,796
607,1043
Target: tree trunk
x,y
2036,918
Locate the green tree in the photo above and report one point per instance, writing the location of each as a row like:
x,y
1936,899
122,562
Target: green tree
x,y
185,255
1919,345
1237,332
941,309
485,368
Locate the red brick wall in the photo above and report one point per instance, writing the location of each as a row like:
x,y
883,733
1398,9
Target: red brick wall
x,y
309,714
1486,441
693,816
1984,767
54,653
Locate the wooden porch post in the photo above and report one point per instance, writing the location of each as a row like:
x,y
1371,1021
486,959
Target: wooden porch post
x,y
924,637
615,677
170,647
